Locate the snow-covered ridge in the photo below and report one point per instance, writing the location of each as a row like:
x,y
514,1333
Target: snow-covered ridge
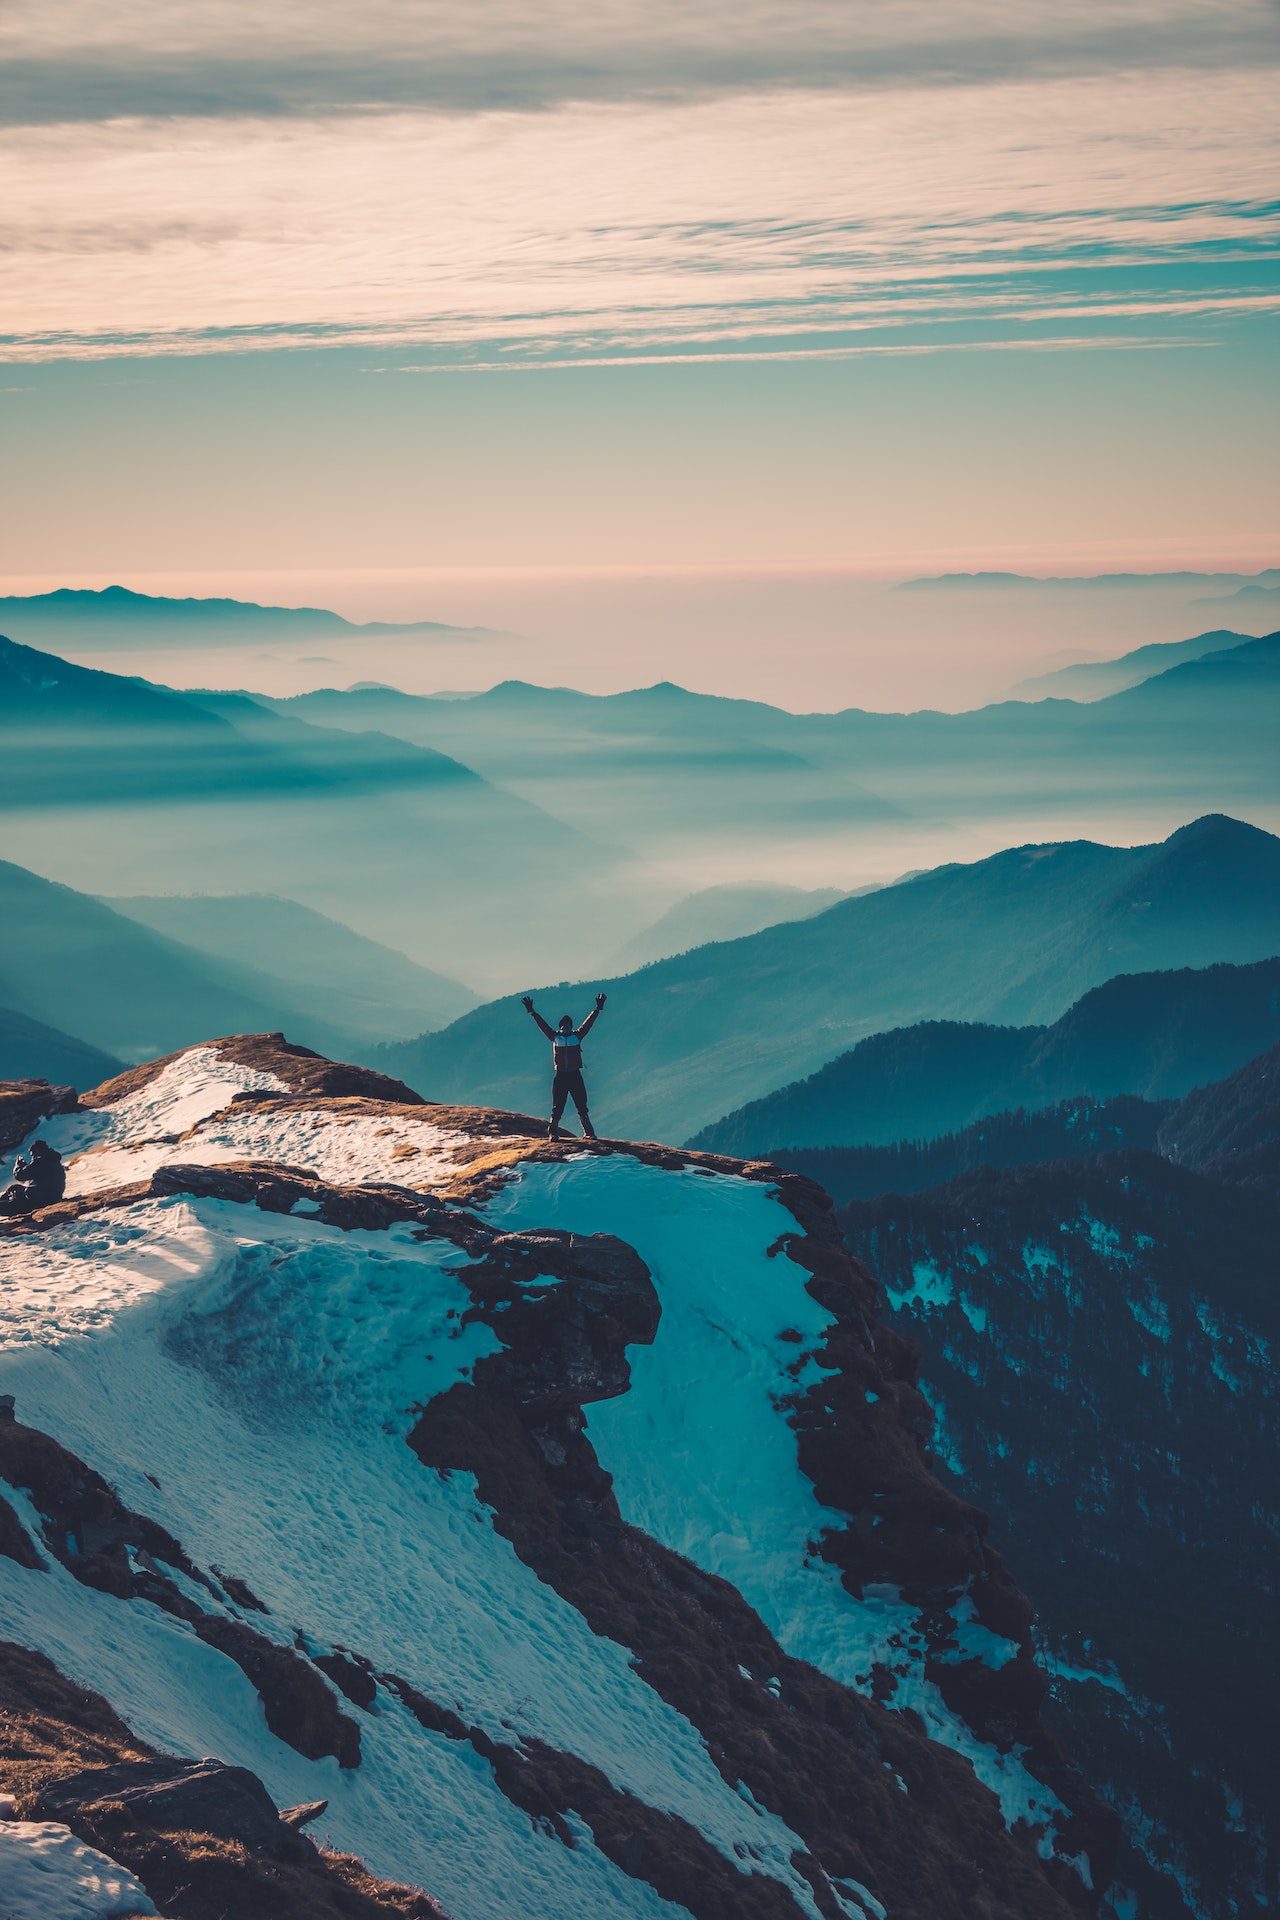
x,y
359,1405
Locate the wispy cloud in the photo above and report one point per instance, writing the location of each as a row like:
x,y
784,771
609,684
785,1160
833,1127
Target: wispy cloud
x,y
780,223
102,59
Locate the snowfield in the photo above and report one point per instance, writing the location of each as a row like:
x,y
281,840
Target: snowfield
x,y
264,1369
703,1458
47,1874
168,1122
248,1381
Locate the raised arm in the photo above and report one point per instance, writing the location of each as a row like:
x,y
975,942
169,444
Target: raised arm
x,y
592,1017
534,1015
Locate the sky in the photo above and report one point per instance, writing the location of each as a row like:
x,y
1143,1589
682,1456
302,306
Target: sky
x,y
495,314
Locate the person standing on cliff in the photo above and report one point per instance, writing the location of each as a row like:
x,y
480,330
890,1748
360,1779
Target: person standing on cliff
x,y
566,1053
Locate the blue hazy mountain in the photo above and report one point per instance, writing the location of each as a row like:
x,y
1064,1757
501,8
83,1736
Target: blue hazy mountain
x,y
154,792
117,617
330,973
70,961
1094,679
662,769
1086,583
32,1050
1152,1034
653,768
721,913
1013,939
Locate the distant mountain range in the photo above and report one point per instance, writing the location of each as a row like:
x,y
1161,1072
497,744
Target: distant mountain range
x,y
721,913
530,833
1094,679
327,972
132,789
1015,938
1154,1034
71,962
117,617
1086,583
669,773
1095,1336
32,1050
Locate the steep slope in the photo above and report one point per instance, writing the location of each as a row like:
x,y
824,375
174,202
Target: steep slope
x,y
1154,1034
1015,937
125,789
331,972
1231,1130
301,1476
1097,1339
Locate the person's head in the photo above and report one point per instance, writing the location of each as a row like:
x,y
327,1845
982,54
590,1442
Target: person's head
x,y
41,1150
566,1023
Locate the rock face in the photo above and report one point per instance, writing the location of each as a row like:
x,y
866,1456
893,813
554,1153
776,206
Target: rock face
x,y
1098,1343
562,1515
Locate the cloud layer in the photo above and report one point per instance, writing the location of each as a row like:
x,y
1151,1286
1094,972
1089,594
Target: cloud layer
x,y
1026,213
102,59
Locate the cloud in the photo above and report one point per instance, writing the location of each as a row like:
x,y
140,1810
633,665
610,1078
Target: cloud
x,y
102,59
779,222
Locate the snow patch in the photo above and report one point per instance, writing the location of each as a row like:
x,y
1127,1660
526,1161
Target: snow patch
x,y
266,1369
47,1874
700,1449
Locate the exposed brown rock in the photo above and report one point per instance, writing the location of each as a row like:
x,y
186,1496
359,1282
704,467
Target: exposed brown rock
x,y
818,1755
25,1103
299,1068
63,1747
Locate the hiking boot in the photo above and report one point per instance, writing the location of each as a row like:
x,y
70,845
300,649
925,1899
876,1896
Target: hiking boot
x,y
588,1131
553,1131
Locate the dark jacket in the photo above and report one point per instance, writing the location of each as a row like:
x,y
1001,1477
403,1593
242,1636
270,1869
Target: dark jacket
x,y
43,1175
566,1048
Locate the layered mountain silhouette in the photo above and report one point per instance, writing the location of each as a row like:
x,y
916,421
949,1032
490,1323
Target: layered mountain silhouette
x,y
118,617
663,769
32,1050
329,972
73,962
721,913
1094,679
133,789
1153,1034
1096,1337
1015,938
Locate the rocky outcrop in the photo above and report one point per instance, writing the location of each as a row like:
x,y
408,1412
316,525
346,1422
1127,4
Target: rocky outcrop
x,y
25,1103
205,1839
299,1068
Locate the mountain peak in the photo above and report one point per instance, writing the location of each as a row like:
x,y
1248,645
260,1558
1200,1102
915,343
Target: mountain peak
x,y
601,1667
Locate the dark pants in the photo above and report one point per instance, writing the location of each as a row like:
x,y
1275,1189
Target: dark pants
x,y
568,1084
17,1200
